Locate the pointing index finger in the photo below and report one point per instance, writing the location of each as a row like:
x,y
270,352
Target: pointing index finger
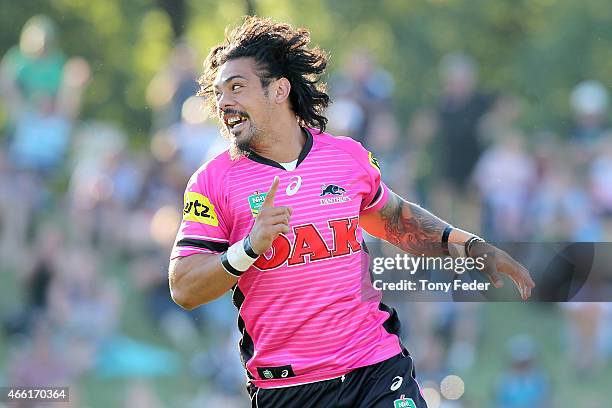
x,y
269,200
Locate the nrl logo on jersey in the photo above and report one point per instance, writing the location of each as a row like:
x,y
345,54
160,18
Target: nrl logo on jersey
x,y
404,403
332,194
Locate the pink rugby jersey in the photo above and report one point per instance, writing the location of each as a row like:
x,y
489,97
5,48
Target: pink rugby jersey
x,y
301,308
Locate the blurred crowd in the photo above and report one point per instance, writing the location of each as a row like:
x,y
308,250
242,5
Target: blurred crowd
x,y
87,221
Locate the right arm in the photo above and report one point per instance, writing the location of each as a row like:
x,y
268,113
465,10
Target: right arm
x,y
200,278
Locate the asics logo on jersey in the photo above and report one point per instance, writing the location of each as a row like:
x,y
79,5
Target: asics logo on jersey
x,y
397,382
332,189
294,186
309,246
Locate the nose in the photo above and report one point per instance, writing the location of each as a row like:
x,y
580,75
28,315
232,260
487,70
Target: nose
x,y
224,101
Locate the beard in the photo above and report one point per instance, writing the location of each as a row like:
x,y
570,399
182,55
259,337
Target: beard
x,y
240,145
239,149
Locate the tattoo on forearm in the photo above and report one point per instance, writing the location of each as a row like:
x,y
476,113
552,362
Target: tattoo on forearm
x,y
411,227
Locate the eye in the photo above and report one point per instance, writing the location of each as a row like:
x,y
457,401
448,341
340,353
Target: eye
x,y
235,87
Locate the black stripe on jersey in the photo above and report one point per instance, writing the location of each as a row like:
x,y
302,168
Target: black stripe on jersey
x,y
305,150
392,325
247,347
378,193
204,244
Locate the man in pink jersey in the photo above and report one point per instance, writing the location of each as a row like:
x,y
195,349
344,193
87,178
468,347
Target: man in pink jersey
x,y
278,220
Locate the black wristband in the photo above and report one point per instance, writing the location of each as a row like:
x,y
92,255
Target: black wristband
x,y
248,248
445,236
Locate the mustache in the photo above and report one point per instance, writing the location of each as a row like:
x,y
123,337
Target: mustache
x,y
230,111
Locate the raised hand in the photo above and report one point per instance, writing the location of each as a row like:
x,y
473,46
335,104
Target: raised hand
x,y
270,222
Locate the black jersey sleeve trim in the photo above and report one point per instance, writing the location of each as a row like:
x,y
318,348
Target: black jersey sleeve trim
x,y
376,196
204,244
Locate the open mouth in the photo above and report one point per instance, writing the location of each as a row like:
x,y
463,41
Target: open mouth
x,y
234,121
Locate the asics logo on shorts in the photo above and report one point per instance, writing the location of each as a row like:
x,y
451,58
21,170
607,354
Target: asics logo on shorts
x,y
397,382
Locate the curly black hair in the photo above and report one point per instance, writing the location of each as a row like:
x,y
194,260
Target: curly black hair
x,y
280,51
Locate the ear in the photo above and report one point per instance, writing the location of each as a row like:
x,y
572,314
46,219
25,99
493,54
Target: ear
x,y
283,88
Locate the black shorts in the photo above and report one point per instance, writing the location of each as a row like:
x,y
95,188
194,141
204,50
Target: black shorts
x,y
388,384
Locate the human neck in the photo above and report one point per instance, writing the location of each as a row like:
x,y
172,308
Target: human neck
x,y
282,144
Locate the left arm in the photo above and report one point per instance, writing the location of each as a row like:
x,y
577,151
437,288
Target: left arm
x,y
410,227
417,231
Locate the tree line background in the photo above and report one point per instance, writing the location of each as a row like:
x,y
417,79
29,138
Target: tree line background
x,y
538,49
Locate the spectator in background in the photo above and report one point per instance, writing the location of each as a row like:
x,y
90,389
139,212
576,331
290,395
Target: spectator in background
x,y
42,94
42,267
419,135
84,308
560,208
191,138
111,186
523,384
383,135
589,101
460,108
588,336
504,176
346,116
172,86
42,130
362,91
178,325
446,334
501,120
81,299
35,66
41,362
90,185
600,175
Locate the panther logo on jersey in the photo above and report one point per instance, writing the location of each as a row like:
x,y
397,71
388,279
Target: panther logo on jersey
x,y
333,194
332,189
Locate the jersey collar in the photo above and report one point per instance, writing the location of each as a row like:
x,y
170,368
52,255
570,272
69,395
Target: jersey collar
x,y
305,150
